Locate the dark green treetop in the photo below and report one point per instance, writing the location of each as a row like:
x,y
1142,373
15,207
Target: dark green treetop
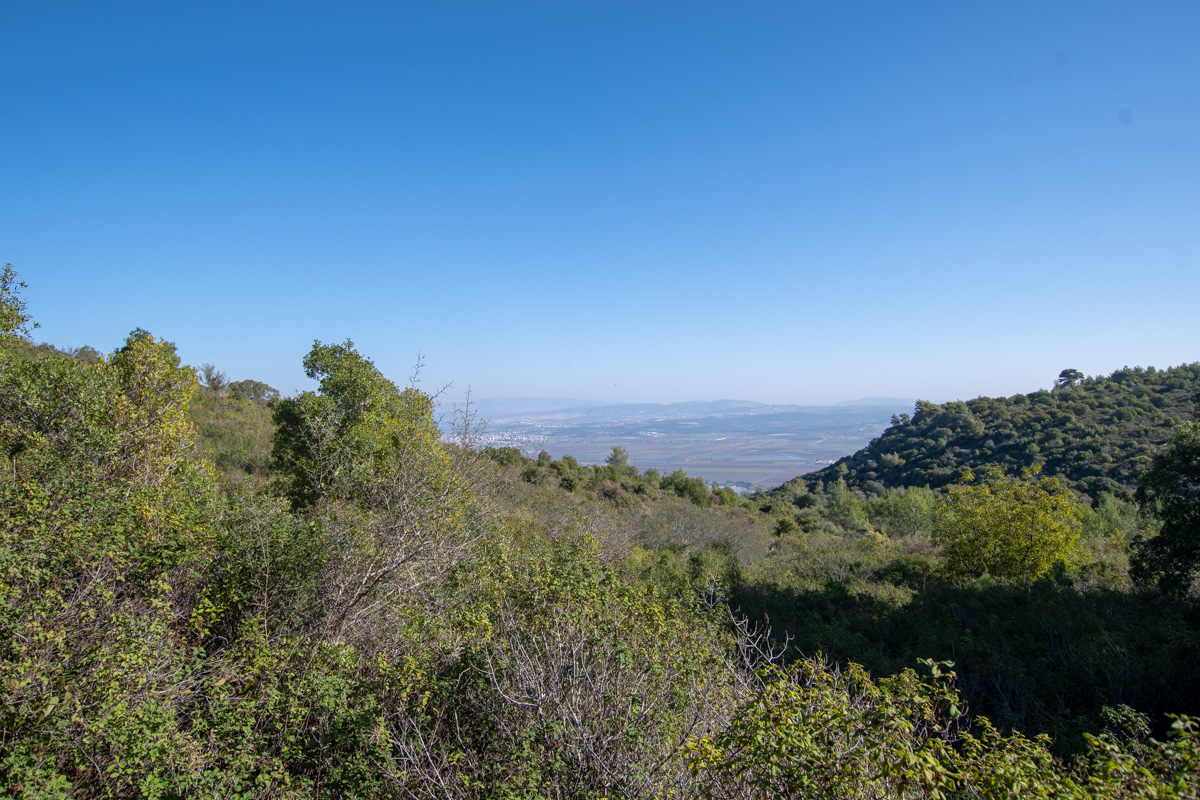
x,y
1171,491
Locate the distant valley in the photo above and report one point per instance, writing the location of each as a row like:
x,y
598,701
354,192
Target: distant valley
x,y
731,442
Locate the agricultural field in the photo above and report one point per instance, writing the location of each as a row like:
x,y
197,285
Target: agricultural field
x,y
745,445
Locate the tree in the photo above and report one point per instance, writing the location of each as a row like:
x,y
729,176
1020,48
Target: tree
x,y
1171,492
1007,527
14,319
255,391
214,380
694,489
618,457
85,353
365,462
845,508
344,438
1068,378
106,528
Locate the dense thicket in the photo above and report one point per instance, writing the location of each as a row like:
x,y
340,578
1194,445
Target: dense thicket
x,y
1097,434
375,611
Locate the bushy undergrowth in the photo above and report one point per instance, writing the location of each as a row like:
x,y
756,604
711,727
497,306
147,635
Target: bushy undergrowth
x,y
374,612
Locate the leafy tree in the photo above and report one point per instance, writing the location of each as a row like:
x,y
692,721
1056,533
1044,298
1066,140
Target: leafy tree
x,y
1007,527
105,526
726,496
903,512
506,456
817,731
14,319
1068,378
845,508
234,432
1171,492
85,353
652,478
214,380
345,438
618,457
255,391
694,489
365,461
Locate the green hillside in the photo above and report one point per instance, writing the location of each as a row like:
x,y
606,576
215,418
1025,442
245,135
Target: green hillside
x,y
1097,434
212,591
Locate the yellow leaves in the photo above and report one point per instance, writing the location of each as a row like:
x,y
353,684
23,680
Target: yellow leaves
x,y
1008,527
702,754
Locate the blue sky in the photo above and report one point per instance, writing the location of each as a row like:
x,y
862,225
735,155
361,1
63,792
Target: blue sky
x,y
651,201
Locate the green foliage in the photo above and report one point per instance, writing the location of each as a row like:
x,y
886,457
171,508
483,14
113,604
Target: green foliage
x,y
256,392
1007,528
1097,435
1171,492
817,731
904,512
843,507
393,618
233,431
1069,378
104,529
356,436
589,685
618,457
14,318
508,456
725,496
694,489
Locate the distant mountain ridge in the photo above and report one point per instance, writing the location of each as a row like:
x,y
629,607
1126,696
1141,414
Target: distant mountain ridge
x,y
505,408
1097,434
878,401
492,406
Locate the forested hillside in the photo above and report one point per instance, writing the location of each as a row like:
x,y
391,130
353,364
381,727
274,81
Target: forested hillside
x,y
1097,434
207,590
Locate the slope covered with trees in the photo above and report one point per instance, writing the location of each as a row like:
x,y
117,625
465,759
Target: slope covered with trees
x,y
1097,434
376,611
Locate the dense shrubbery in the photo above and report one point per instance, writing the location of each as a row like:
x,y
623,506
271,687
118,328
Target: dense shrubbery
x,y
375,612
1098,435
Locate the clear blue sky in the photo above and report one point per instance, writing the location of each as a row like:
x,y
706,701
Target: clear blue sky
x,y
646,201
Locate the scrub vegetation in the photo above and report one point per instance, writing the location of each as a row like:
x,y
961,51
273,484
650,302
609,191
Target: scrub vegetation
x,y
208,590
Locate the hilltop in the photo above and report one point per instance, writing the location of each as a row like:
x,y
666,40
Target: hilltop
x,y
1097,434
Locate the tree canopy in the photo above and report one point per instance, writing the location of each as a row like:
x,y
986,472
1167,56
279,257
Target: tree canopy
x,y
1096,434
1171,492
377,613
354,432
1007,527
14,318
